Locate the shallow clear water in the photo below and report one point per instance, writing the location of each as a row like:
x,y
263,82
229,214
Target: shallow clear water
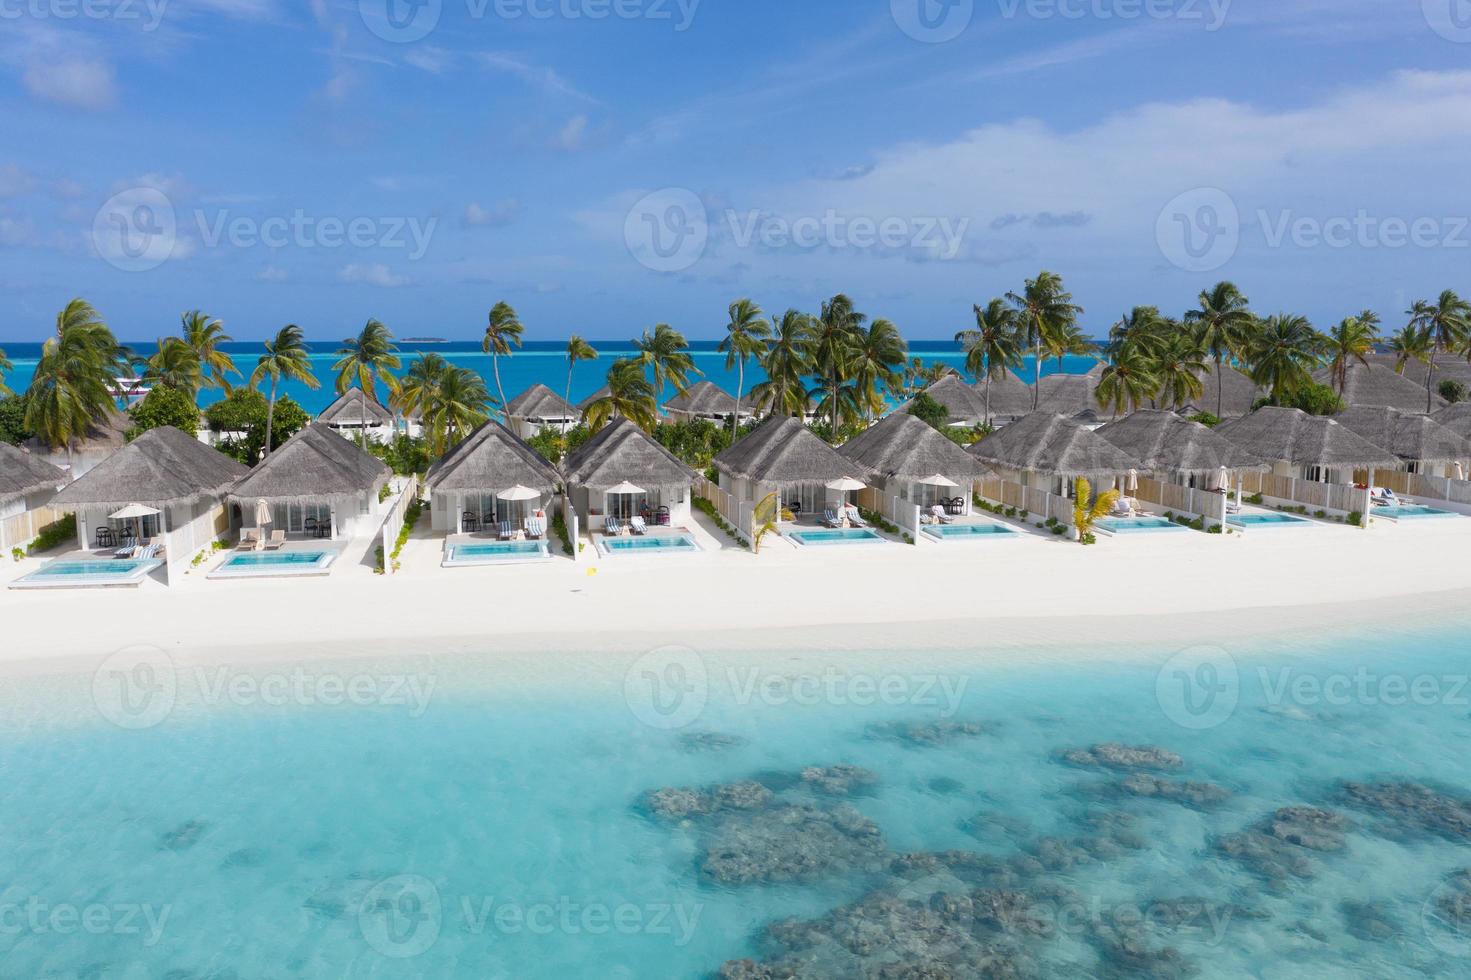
x,y
449,819
120,568
1138,525
283,558
1259,519
968,530
835,536
667,542
1411,511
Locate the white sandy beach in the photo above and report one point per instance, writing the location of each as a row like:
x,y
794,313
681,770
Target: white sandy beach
x,y
1037,591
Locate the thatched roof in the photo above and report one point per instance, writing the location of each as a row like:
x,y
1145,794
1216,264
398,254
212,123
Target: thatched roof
x,y
1166,443
1410,436
1456,417
703,398
22,474
103,435
598,395
1290,435
1447,368
314,464
1044,442
902,447
162,466
1011,397
783,450
349,410
541,402
960,400
1377,386
492,459
1068,394
622,452
1238,393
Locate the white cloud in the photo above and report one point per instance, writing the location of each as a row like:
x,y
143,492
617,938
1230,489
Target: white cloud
x,y
501,214
543,77
375,274
272,273
426,57
77,83
569,138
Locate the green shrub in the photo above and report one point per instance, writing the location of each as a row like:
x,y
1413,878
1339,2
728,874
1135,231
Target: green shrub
x,y
17,554
1356,519
1214,529
1256,499
55,534
1089,538
1059,530
559,527
164,406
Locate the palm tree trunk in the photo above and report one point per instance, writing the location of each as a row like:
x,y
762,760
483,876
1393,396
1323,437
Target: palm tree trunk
x,y
735,421
1429,379
495,365
363,418
1037,372
270,418
1220,385
568,398
988,397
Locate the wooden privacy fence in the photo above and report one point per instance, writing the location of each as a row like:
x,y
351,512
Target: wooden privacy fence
x,y
1342,498
21,529
1177,499
1037,503
393,522
1416,485
738,514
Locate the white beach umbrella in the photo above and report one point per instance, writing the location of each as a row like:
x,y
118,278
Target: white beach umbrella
x,y
846,485
1133,484
937,481
263,514
135,512
1460,472
626,489
1223,479
519,492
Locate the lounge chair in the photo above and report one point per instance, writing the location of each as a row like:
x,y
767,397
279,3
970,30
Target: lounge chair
x,y
1122,508
536,527
612,527
508,531
940,517
249,540
831,519
854,517
638,526
278,540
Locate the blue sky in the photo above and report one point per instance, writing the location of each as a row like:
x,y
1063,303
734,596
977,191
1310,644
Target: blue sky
x,y
604,173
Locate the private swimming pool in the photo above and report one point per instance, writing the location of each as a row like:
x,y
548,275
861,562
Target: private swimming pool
x,y
80,573
1267,518
272,564
654,544
495,553
970,532
835,535
1138,525
1411,511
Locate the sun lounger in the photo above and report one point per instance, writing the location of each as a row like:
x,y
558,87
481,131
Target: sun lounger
x,y
638,526
249,540
508,531
854,518
277,542
612,527
831,519
940,517
535,527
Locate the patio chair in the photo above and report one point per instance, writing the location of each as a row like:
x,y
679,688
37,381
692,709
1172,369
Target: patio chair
x,y
611,527
249,540
536,527
938,513
831,519
104,537
955,506
470,521
508,531
638,526
278,539
662,517
854,517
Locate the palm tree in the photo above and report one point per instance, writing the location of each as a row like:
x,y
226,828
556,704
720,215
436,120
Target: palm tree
x,y
458,403
1180,365
5,368
1047,313
878,352
203,334
1447,321
834,347
365,360
1128,379
285,357
1087,512
1283,354
417,390
74,377
745,337
992,348
1223,323
501,335
577,350
1352,340
630,396
667,352
788,361
175,365
1410,344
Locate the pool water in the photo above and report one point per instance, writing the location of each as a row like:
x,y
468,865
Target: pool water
x,y
287,559
961,532
835,535
1410,511
481,819
653,544
1267,518
272,564
1136,525
121,568
493,552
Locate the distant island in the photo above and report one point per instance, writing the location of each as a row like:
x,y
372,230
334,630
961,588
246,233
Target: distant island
x,y
425,340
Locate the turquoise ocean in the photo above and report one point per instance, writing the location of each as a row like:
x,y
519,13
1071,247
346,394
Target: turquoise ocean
x,y
1274,808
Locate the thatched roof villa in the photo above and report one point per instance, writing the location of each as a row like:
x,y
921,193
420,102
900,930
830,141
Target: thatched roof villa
x,y
1422,443
466,486
1177,450
538,408
27,484
783,456
317,484
706,400
1304,446
906,454
623,455
1048,451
